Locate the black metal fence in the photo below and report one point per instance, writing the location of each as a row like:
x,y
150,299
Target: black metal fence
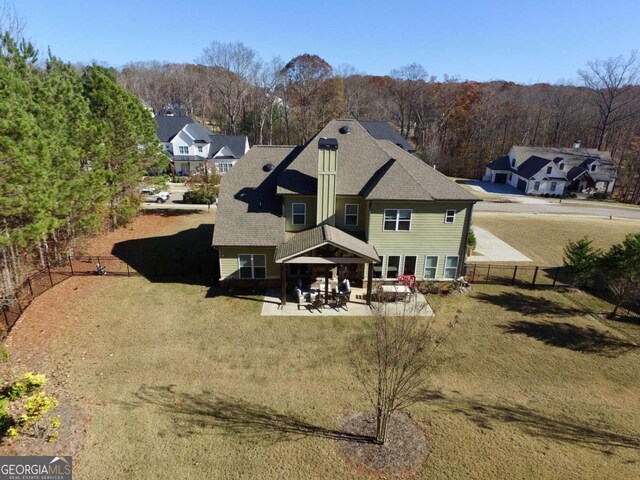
x,y
201,268
517,275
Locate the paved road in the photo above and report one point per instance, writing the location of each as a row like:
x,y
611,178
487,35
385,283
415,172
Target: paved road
x,y
565,208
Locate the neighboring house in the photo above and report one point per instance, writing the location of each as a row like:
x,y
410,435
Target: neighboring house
x,y
190,144
552,171
381,130
344,203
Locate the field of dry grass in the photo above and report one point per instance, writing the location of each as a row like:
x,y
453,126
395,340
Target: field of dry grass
x,y
177,380
542,237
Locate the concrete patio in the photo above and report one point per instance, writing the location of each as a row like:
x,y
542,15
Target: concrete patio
x,y
357,307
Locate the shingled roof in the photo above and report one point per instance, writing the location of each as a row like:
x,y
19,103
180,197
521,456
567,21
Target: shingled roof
x,y
365,169
324,235
168,126
249,212
381,130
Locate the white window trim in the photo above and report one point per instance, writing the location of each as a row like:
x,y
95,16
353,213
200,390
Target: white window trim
x,y
404,260
385,266
384,216
446,215
539,183
181,149
305,213
224,167
253,273
200,149
357,214
444,270
435,276
549,170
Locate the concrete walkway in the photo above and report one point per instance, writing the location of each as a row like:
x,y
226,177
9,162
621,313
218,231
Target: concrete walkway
x,y
491,249
417,307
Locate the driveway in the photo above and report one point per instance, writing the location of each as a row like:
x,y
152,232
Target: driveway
x,y
502,191
176,192
490,248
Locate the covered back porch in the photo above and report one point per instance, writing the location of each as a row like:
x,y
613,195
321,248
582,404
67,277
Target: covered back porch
x,y
314,264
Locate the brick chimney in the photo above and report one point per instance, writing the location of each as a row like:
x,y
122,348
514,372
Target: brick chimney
x,y
326,193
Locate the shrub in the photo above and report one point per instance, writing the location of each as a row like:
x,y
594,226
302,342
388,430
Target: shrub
x,y
25,385
471,239
199,196
600,195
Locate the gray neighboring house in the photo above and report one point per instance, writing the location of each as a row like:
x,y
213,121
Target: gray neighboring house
x,y
554,170
190,145
343,205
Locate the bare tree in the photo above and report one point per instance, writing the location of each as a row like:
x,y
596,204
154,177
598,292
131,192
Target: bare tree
x,y
10,21
611,82
394,361
235,69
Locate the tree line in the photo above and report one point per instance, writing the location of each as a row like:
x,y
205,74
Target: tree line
x,y
457,125
73,147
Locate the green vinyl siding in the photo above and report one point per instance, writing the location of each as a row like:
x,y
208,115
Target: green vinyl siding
x,y
363,212
229,260
429,234
311,212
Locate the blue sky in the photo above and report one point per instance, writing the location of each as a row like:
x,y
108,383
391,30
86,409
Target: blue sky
x,y
523,41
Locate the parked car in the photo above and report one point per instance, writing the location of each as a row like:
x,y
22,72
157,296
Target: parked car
x,y
198,197
150,194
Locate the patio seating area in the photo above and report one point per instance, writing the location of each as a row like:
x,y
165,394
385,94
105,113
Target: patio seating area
x,y
394,302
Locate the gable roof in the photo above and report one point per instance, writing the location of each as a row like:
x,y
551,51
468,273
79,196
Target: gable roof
x,y
322,235
500,163
168,126
249,212
364,168
235,143
381,130
532,166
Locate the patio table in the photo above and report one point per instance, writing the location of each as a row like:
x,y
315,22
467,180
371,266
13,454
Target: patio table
x,y
398,292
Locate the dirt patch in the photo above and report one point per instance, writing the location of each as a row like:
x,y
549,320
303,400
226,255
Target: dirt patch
x,y
401,456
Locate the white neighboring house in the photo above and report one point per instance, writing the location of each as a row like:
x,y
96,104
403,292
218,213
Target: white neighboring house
x,y
552,171
190,144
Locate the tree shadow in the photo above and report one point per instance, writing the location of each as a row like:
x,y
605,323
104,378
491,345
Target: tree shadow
x,y
527,304
235,417
599,435
572,337
184,257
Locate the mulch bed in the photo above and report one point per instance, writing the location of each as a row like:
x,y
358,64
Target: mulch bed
x,y
404,452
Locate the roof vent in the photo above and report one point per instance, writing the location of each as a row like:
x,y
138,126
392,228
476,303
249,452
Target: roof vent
x,y
345,130
576,143
268,167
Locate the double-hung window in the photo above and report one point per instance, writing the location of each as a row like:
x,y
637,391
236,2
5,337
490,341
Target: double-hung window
x,y
450,267
200,149
351,214
298,213
549,169
430,266
224,167
183,150
450,216
553,186
396,220
252,266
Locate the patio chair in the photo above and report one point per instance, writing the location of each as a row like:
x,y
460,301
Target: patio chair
x,y
342,301
317,303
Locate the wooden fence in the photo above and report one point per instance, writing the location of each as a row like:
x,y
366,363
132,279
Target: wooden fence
x,y
517,275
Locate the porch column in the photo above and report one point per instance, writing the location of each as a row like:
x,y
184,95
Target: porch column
x,y
369,282
283,283
326,288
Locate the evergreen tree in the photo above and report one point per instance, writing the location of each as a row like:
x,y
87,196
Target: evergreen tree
x,y
581,260
128,145
622,266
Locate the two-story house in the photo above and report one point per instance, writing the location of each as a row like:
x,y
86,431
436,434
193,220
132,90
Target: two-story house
x,y
345,203
190,144
552,171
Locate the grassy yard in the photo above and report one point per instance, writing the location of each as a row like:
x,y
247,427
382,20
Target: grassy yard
x,y
542,237
177,381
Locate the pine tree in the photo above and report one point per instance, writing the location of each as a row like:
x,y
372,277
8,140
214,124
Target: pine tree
x,y
622,266
581,260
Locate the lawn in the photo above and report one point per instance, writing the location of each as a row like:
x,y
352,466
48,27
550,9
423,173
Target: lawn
x,y
176,380
542,237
